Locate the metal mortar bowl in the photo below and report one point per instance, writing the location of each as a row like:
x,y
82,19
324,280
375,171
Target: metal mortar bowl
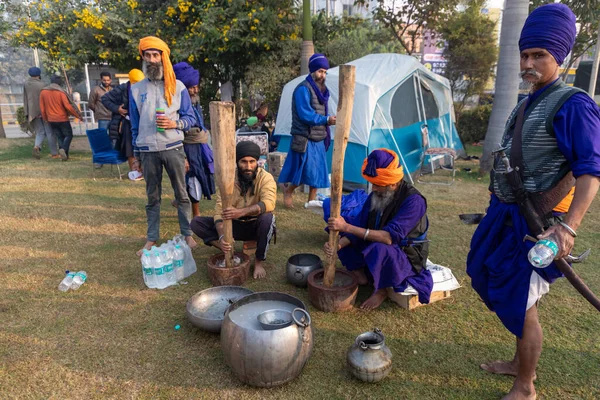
x,y
274,319
206,309
299,266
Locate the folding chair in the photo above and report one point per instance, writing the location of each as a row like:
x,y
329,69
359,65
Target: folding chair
x,y
433,155
102,150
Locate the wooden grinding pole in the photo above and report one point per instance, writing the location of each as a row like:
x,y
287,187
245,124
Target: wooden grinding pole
x,y
342,131
222,119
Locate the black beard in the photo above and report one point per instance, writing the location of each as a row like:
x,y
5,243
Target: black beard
x,y
246,182
153,71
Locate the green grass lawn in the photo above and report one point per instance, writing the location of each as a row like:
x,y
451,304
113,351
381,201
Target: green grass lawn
x,y
116,339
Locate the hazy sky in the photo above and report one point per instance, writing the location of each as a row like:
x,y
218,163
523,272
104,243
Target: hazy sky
x,y
495,3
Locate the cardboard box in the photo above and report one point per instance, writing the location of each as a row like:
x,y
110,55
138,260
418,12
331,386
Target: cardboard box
x,y
412,301
275,170
276,159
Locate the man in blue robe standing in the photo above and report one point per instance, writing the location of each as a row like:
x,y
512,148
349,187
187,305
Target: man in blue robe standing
x,y
389,245
560,140
306,162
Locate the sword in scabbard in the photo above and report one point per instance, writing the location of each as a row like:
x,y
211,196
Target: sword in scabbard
x,y
536,226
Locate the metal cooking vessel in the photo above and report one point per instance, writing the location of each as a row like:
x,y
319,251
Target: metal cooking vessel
x,y
206,309
267,358
299,266
369,359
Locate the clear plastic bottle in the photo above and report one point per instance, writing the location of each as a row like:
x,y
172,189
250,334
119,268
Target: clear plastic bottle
x,y
159,269
544,252
167,262
178,262
78,280
67,281
148,270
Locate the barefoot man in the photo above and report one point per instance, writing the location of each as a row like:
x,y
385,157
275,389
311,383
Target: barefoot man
x,y
158,138
306,162
560,135
389,244
254,197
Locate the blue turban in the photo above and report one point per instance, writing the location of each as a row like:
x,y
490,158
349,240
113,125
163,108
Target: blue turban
x,y
35,71
550,27
316,62
186,74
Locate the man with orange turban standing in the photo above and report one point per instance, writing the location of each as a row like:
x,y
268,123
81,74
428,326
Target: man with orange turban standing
x,y
389,245
160,110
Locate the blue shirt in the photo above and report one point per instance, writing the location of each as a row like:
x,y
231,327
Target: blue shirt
x,y
577,129
306,113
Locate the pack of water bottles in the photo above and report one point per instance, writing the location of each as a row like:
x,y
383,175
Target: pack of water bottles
x,y
168,264
72,280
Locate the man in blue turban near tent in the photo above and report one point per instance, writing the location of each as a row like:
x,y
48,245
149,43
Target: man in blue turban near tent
x,y
388,246
306,162
558,156
200,168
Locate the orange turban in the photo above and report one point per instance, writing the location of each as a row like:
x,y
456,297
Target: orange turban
x,y
152,42
382,168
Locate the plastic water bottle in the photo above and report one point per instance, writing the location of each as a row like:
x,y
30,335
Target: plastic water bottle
x,y
544,252
66,282
159,269
167,262
178,261
148,270
78,280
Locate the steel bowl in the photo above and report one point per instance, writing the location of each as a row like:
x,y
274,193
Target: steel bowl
x,y
299,266
274,319
206,309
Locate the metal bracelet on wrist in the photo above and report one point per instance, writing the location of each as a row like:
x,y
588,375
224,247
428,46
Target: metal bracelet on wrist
x,y
568,228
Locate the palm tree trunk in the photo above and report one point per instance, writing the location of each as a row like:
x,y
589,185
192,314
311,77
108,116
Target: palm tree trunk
x,y
307,38
507,77
2,133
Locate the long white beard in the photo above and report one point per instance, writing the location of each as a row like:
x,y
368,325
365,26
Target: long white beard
x,y
380,201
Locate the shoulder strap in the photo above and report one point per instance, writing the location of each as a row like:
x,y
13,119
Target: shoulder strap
x,y
516,150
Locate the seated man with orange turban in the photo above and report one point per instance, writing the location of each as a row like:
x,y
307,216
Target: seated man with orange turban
x,y
389,244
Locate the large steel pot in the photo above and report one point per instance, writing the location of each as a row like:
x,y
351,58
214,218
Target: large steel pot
x,y
299,266
266,358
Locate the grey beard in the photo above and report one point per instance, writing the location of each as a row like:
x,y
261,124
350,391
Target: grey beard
x,y
380,202
529,85
153,71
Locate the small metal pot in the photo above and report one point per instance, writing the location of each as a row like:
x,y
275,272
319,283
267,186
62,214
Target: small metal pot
x,y
299,266
369,359
277,319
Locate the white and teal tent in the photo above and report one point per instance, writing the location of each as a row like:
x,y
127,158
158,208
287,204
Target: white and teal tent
x,y
394,96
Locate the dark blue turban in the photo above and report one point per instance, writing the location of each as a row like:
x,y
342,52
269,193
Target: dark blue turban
x,y
316,62
35,71
186,74
550,27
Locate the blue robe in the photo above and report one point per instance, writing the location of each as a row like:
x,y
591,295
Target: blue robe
x,y
388,265
310,167
497,262
200,158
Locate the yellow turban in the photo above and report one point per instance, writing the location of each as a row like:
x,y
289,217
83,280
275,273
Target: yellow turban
x,y
382,168
135,75
152,42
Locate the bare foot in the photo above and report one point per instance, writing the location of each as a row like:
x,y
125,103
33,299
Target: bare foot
x,y
502,368
191,242
519,392
147,246
288,199
361,277
259,271
375,300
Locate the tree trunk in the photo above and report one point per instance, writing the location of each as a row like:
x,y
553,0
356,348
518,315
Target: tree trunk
x,y
594,75
507,77
307,38
2,133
